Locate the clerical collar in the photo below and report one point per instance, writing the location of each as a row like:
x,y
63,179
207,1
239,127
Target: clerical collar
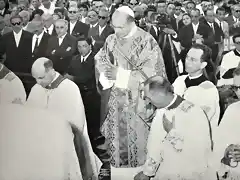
x,y
236,52
175,102
195,77
131,33
195,82
56,81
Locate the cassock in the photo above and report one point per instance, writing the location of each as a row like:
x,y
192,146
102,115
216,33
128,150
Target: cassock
x,y
63,97
202,92
227,133
125,132
183,152
11,87
35,144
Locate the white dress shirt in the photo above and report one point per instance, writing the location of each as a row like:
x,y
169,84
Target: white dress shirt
x,y
91,26
83,58
35,37
72,25
50,29
101,29
195,28
212,26
17,37
60,39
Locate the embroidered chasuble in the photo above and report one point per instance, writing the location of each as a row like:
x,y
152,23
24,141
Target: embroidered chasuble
x,y
170,153
11,87
125,132
63,97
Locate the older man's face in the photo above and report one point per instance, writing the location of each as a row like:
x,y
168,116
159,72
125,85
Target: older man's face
x,y
61,28
73,13
120,25
92,17
103,18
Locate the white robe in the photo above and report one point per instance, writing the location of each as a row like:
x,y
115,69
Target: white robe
x,y
204,95
227,133
12,89
35,144
66,101
191,126
229,60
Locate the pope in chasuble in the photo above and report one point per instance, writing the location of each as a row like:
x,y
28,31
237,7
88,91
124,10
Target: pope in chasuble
x,y
128,57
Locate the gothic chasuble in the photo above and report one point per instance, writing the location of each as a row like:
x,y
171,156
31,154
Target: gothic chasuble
x,y
63,97
125,132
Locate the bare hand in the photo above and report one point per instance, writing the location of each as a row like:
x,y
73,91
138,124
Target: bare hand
x,y
141,176
111,72
237,24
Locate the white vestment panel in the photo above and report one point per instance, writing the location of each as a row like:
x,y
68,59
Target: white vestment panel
x,y
35,144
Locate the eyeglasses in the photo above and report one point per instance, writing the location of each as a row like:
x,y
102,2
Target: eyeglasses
x,y
72,12
237,11
238,43
102,17
16,23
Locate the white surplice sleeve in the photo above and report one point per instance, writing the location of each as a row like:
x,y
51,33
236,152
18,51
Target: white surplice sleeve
x,y
155,145
13,90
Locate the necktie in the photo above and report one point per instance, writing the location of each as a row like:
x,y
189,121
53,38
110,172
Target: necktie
x,y
47,31
212,26
36,44
83,59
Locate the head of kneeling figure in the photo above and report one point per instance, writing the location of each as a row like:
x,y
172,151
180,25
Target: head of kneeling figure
x,y
123,21
158,91
43,72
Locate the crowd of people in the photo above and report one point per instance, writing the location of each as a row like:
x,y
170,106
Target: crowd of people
x,y
122,89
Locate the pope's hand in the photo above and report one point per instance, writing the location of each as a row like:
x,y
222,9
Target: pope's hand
x,y
111,72
141,176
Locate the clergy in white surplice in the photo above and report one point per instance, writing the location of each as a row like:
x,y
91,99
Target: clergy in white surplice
x,y
179,143
196,86
62,96
227,144
11,87
35,144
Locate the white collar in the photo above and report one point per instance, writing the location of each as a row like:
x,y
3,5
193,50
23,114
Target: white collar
x,y
102,27
93,25
18,34
132,32
196,24
195,77
85,57
62,37
39,36
50,27
73,23
171,103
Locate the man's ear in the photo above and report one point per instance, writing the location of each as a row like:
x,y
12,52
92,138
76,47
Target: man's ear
x,y
203,65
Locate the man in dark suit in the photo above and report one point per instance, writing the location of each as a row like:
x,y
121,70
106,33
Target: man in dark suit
x,y
17,47
217,33
82,72
49,24
40,39
234,20
100,32
75,27
170,11
62,47
196,32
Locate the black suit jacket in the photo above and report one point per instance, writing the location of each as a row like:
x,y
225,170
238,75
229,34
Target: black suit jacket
x,y
79,29
100,39
174,24
18,59
83,72
41,50
61,55
186,34
218,33
232,30
154,33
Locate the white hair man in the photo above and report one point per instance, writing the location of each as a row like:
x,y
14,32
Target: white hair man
x,y
126,59
62,96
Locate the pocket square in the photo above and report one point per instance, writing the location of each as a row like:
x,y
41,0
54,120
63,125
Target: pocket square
x,y
53,52
68,49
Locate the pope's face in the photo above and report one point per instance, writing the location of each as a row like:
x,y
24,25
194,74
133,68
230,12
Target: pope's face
x,y
120,25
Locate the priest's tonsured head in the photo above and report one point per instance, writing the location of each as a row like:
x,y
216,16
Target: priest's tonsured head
x,y
123,21
43,72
